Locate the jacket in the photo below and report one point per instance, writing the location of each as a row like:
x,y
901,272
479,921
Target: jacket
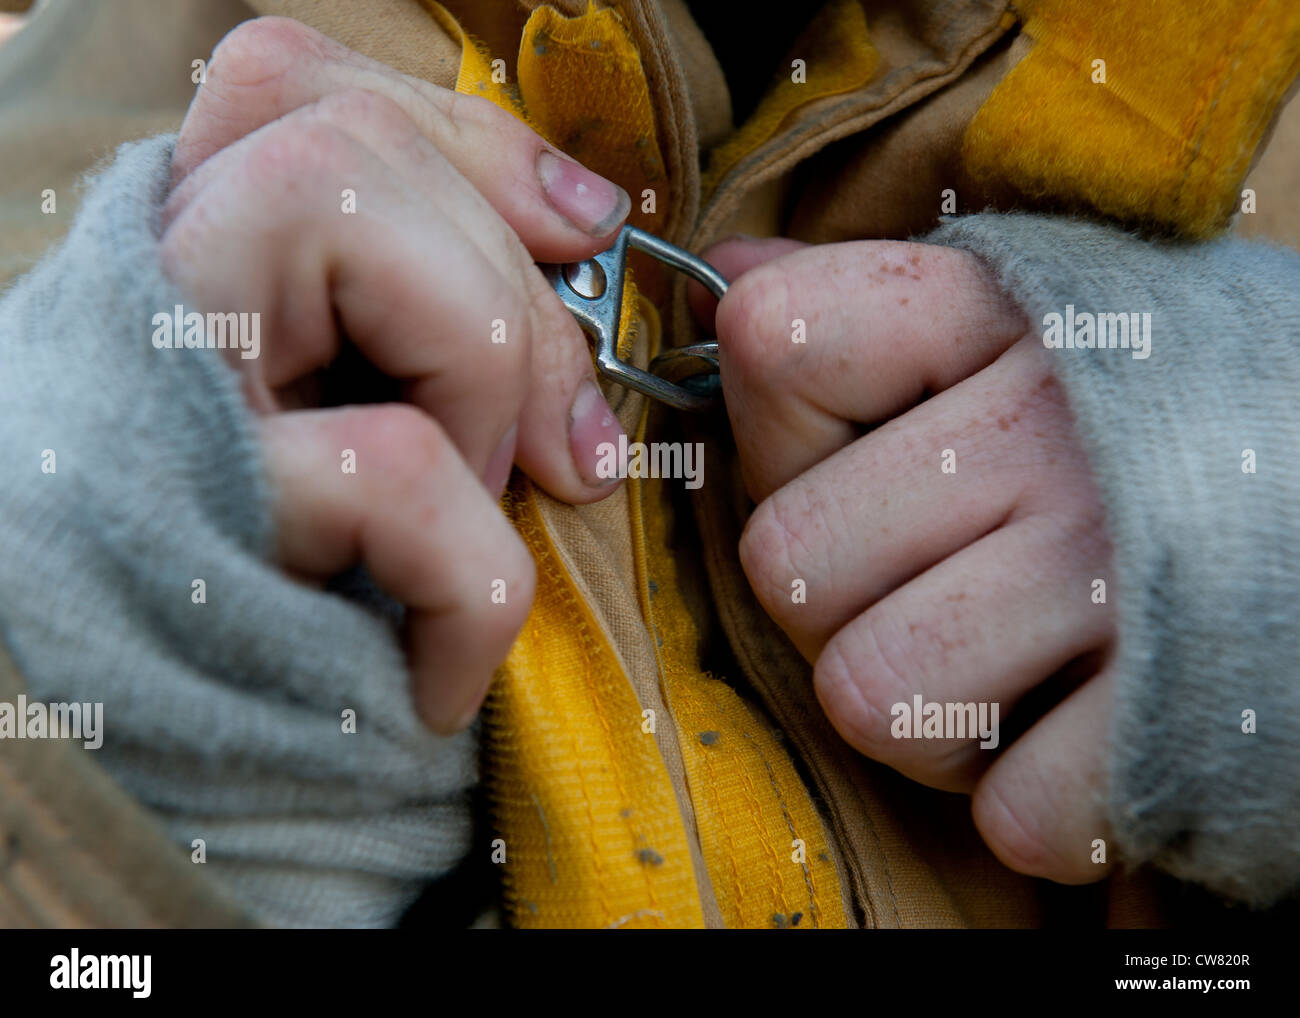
x,y
652,751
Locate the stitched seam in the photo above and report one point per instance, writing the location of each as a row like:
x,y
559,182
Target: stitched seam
x,y
756,818
723,819
547,556
813,910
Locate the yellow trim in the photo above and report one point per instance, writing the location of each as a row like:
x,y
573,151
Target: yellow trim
x,y
580,794
475,75
581,797
763,842
1166,140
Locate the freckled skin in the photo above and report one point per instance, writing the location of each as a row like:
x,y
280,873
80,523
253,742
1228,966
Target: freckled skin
x,y
966,587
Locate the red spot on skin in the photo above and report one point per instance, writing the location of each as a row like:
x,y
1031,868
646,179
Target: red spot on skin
x,y
915,260
900,270
902,301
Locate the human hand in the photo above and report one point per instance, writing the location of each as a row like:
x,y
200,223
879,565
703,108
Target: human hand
x,y
431,277
966,585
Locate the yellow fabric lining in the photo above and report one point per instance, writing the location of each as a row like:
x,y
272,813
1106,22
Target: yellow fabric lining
x,y
581,797
1169,136
475,75
839,59
587,95
763,842
562,64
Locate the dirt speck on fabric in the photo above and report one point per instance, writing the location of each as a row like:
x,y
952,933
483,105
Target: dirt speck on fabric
x,y
546,828
649,857
709,738
780,922
794,919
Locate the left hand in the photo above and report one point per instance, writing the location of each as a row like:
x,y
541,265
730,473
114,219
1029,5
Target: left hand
x,y
972,585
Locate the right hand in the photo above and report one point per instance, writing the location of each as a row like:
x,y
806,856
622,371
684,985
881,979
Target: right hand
x,y
454,201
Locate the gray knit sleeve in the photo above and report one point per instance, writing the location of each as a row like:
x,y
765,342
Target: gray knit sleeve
x,y
1196,448
128,473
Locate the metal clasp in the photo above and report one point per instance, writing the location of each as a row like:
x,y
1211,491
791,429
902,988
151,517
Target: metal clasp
x,y
685,377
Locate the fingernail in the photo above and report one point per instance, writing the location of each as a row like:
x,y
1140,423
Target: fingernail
x,y
587,200
594,434
497,473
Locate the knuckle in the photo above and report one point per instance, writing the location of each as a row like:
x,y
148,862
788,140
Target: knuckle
x,y
754,323
842,700
787,538
406,444
877,665
378,112
496,622
302,151
887,659
964,275
768,547
463,111
1007,827
1080,532
258,51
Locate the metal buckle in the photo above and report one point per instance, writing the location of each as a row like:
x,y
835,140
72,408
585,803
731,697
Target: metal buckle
x,y
684,377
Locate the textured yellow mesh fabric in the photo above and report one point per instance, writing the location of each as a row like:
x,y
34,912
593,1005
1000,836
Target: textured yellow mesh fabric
x,y
1167,138
475,76
581,797
762,839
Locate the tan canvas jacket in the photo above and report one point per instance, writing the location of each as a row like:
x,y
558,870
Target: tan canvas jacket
x,y
868,158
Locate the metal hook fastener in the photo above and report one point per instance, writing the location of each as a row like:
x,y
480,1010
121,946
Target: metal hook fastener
x,y
685,377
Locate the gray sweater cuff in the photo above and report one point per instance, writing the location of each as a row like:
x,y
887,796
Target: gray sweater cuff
x,y
226,715
1207,554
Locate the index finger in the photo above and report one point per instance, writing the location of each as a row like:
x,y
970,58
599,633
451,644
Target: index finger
x,y
269,67
826,338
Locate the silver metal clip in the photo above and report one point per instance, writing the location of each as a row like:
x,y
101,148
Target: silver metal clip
x,y
684,377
